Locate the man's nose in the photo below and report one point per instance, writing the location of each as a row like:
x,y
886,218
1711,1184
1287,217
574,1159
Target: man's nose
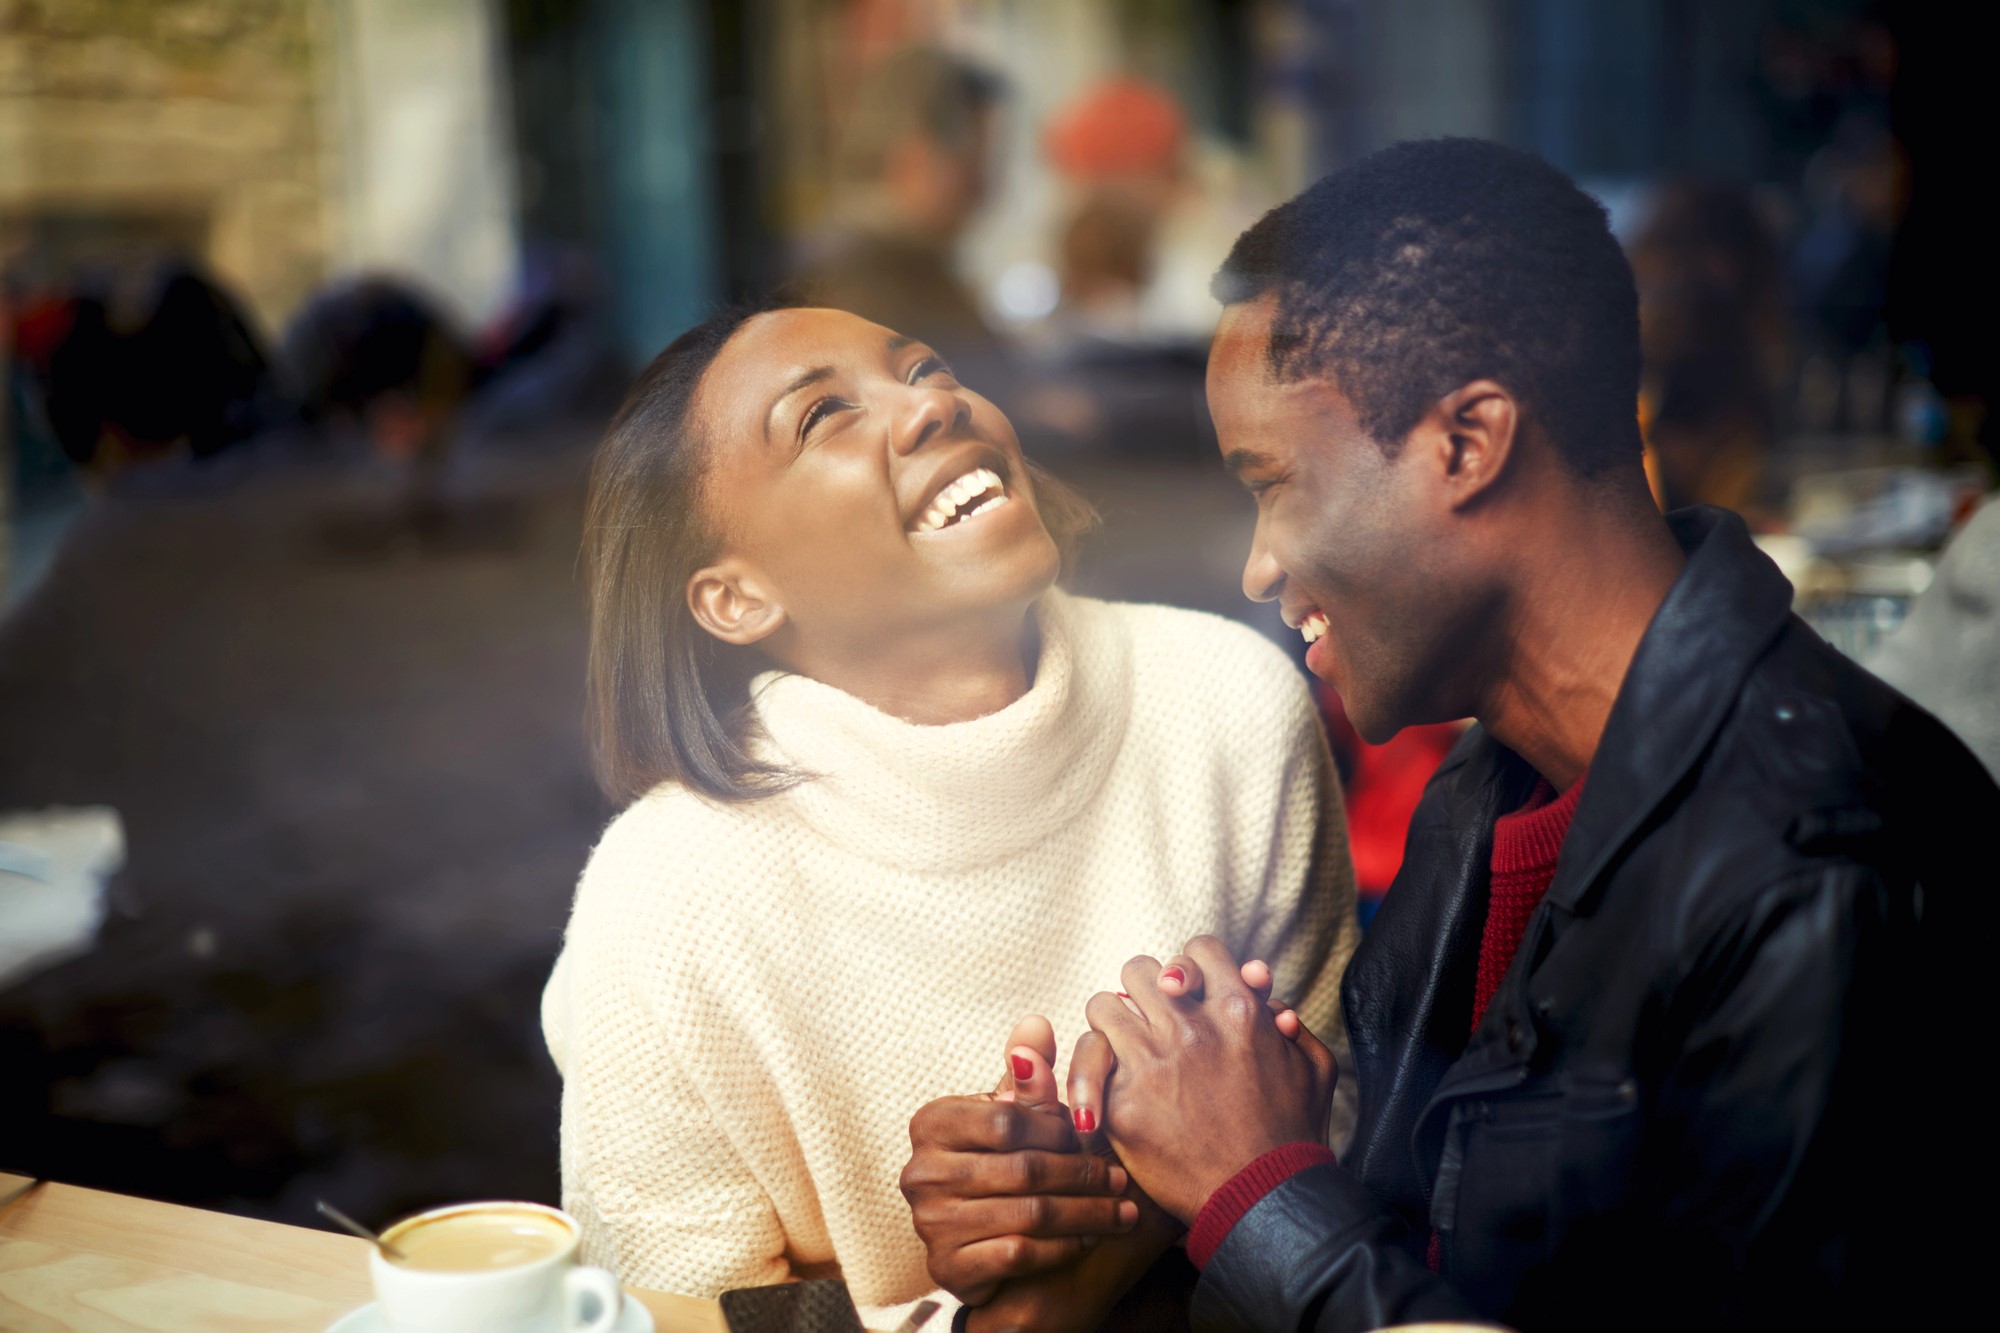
x,y
930,412
1262,579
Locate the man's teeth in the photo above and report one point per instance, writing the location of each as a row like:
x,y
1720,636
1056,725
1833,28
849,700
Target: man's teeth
x,y
980,484
1313,626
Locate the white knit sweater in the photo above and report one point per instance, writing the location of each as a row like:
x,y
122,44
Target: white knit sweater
x,y
753,999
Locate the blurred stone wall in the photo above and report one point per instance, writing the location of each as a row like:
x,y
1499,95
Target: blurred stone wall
x,y
133,125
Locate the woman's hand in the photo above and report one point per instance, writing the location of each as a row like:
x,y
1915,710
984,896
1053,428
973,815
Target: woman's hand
x,y
1205,1081
997,1183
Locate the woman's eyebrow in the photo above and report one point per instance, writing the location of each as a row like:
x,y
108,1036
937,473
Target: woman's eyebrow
x,y
810,377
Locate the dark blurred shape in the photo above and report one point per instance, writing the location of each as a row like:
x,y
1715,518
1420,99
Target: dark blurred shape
x,y
130,375
1855,191
1713,334
375,352
548,353
915,170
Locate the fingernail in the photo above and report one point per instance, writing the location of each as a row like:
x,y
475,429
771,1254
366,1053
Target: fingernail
x,y
1128,1212
1123,996
1024,1068
1173,974
1120,1178
1086,1120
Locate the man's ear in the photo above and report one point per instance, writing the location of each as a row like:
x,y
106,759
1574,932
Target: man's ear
x,y
1469,435
733,602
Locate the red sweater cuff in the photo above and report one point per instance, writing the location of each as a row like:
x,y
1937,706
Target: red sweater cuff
x,y
1244,1190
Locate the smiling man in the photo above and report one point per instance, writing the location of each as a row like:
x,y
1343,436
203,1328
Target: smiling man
x,y
1645,1030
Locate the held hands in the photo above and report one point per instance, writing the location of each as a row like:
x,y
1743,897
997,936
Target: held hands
x,y
1193,1078
1012,1208
998,1184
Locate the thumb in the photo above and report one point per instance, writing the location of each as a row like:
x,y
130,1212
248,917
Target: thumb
x,y
1030,1076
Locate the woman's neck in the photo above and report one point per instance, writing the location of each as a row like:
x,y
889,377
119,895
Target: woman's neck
x,y
935,677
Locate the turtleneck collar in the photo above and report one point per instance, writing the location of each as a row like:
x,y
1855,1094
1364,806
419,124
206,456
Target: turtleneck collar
x,y
928,798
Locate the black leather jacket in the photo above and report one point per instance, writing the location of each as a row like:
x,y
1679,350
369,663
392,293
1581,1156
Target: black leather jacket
x,y
1725,1082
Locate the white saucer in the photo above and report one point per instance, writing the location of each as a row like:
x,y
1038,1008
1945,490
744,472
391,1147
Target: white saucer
x,y
632,1318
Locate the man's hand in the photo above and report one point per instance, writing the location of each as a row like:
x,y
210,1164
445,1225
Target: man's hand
x,y
997,1183
1195,1076
1077,1297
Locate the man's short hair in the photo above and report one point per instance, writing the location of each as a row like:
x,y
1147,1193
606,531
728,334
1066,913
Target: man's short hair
x,y
1435,263
920,90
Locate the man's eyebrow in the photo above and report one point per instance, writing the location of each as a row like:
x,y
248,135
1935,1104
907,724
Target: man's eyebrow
x,y
897,342
1239,461
810,377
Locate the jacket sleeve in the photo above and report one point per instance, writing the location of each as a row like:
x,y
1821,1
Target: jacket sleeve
x,y
1319,1253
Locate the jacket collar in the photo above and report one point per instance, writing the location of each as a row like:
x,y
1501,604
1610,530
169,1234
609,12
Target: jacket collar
x,y
1719,618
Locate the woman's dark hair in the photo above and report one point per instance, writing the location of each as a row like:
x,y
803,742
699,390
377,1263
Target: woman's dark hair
x,y
669,702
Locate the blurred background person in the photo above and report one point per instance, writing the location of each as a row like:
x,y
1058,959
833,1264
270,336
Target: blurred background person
x,y
374,353
1712,310
142,367
915,169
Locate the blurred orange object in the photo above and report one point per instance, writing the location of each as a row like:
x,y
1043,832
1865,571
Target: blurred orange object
x,y
1382,785
1123,128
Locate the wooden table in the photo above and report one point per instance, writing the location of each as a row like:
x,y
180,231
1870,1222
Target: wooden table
x,y
81,1261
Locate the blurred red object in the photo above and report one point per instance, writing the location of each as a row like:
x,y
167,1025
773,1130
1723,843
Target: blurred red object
x,y
1123,128
1382,785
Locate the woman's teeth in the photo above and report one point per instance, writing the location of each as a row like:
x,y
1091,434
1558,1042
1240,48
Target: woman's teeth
x,y
1313,626
970,496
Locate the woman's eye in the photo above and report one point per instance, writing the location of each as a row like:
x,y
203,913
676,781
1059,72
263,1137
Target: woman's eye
x,y
930,365
817,413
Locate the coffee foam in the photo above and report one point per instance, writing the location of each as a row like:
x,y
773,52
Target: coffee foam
x,y
479,1240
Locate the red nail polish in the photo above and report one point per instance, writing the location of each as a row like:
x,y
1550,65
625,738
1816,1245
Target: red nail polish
x,y
1024,1068
1086,1120
1173,974
1123,996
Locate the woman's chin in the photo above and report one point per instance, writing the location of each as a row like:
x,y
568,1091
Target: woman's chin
x,y
998,575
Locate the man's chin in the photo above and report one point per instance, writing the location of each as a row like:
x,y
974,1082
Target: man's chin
x,y
1374,724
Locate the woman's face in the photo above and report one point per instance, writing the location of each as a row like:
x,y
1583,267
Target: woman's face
x,y
860,490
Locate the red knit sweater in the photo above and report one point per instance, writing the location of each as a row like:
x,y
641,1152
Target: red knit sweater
x,y
1526,847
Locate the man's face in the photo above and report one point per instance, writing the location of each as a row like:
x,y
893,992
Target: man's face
x,y
1356,547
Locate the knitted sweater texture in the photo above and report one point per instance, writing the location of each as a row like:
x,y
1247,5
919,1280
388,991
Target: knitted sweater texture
x,y
754,999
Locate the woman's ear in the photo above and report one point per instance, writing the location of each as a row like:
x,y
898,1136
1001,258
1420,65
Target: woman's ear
x,y
732,602
1471,433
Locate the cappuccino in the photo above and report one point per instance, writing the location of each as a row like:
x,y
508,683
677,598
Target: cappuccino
x,y
480,1240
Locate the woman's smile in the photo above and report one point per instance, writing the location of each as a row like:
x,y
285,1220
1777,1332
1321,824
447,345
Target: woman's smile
x,y
964,498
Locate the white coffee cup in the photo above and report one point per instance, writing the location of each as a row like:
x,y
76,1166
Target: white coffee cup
x,y
544,1291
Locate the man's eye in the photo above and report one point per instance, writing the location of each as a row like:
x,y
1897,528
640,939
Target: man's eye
x,y
930,365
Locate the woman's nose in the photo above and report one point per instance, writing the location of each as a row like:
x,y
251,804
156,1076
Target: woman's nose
x,y
930,412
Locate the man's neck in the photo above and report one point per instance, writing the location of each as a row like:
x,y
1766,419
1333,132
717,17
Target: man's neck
x,y
936,677
1573,628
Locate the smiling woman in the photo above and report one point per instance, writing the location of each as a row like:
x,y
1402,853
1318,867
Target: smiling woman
x,y
890,788
813,505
